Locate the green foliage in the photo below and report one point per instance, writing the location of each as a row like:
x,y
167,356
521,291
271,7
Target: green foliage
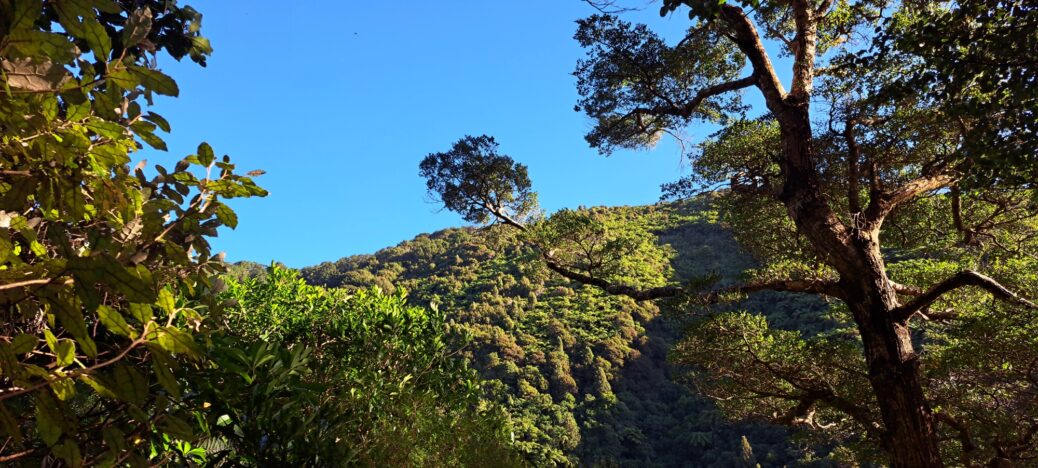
x,y
975,349
740,154
975,59
628,66
330,376
474,180
106,272
926,140
263,408
582,375
980,359
597,243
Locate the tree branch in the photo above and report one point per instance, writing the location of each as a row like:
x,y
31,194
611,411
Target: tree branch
x,y
853,171
956,211
33,282
961,279
17,455
965,440
906,289
745,36
686,110
811,286
884,202
823,8
804,54
8,393
613,288
861,416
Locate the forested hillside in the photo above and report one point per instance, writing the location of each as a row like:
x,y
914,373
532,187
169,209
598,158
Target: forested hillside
x,y
583,374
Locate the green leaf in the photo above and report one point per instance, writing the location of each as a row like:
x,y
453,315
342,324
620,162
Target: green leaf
x,y
114,437
88,345
155,80
158,120
65,351
8,425
123,78
146,132
23,343
48,423
69,451
63,388
69,313
136,284
176,427
166,301
205,154
129,385
164,374
52,341
37,249
98,385
138,24
114,322
176,341
226,215
87,28
141,312
106,129
25,14
76,112
39,44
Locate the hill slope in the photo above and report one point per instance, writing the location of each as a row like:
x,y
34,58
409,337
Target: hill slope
x,y
583,374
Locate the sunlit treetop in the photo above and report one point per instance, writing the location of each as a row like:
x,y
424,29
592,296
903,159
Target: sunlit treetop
x,y
475,181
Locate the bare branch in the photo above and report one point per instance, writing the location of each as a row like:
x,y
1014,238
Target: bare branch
x,y
17,455
33,282
906,289
745,36
813,286
885,201
685,110
961,279
609,7
804,53
853,171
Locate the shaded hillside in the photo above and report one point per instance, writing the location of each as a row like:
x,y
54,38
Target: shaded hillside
x,y
583,375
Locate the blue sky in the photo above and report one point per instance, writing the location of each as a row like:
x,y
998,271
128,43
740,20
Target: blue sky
x,y
339,101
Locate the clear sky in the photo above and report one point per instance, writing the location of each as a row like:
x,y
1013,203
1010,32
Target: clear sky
x,y
338,101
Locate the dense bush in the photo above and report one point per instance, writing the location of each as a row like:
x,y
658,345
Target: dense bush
x,y
329,376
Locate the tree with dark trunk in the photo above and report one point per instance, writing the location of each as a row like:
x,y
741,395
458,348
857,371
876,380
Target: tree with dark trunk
x,y
888,156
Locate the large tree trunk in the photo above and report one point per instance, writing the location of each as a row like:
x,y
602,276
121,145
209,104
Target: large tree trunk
x,y
893,363
854,252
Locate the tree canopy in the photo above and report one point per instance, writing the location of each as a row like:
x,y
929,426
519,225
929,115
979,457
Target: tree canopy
x,y
106,269
850,184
